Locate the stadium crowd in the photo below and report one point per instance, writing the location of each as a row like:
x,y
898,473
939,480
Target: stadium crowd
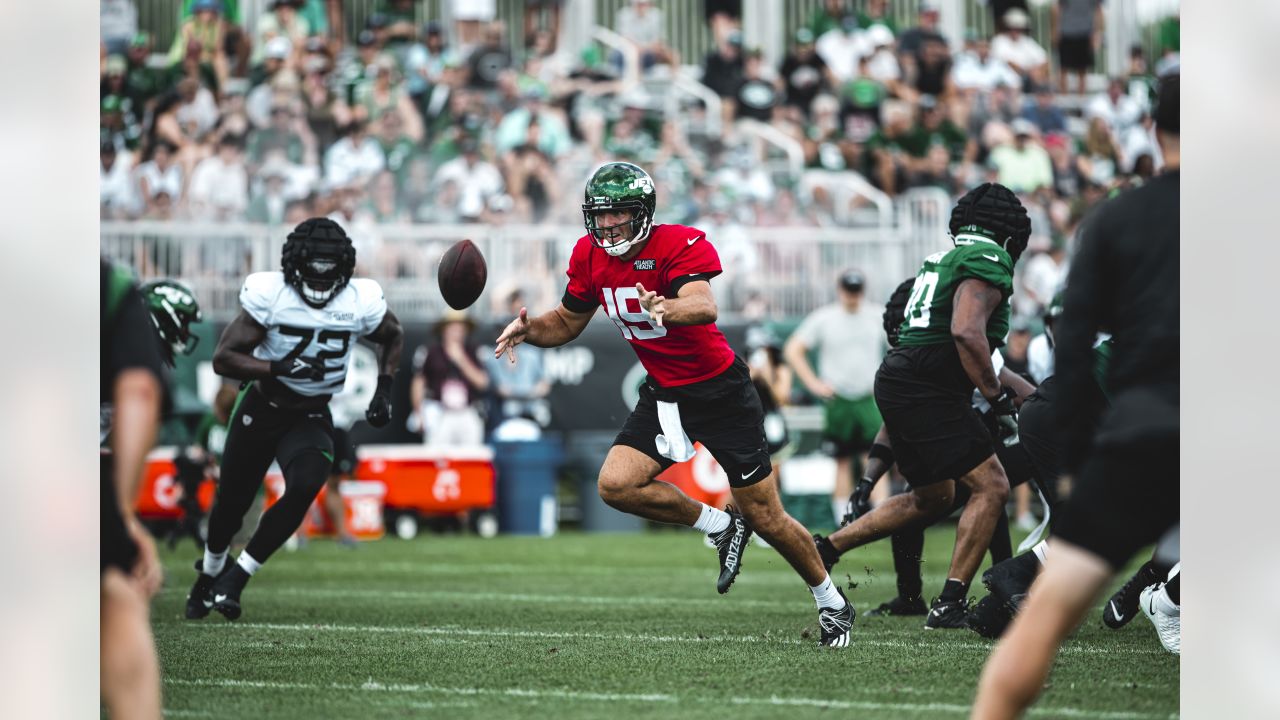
x,y
432,124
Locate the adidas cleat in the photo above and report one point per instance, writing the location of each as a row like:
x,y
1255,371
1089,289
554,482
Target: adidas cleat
x,y
226,591
900,606
1123,606
947,614
730,544
836,624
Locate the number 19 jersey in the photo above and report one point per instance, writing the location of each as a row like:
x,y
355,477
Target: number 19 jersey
x,y
928,314
295,329
673,256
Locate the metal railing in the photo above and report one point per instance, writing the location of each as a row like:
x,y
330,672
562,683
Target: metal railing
x,y
769,272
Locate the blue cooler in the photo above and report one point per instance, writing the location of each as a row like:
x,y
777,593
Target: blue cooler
x,y
527,473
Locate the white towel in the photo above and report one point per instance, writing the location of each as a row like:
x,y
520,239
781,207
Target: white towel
x,y
672,443
1039,530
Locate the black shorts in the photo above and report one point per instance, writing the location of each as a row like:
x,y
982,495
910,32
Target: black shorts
x,y
281,427
116,548
723,413
1075,53
928,413
1125,498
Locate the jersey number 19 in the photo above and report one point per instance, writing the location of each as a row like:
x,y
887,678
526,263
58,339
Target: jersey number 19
x,y
633,324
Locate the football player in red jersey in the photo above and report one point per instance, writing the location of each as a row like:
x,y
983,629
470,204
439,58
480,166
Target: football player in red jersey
x,y
654,283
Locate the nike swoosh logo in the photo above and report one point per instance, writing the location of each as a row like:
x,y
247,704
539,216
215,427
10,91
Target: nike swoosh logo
x,y
1119,615
207,603
693,240
749,474
992,258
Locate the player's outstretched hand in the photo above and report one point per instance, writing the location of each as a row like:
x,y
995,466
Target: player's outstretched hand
x,y
653,303
379,411
513,335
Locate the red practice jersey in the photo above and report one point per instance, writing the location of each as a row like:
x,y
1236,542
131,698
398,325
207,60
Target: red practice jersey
x,y
674,255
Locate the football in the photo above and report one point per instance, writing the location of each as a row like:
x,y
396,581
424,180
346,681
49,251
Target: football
x,y
462,275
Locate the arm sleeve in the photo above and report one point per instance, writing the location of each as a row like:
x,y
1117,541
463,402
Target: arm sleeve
x,y
373,304
579,296
697,260
1083,301
257,296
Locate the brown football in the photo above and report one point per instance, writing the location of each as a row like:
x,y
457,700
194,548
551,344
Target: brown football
x,y
462,274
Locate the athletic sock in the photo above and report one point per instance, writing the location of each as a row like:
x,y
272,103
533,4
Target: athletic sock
x,y
247,563
712,520
1173,588
954,589
826,594
213,562
1041,549
1162,602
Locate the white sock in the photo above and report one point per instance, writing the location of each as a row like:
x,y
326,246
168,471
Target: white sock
x,y
214,562
1162,602
247,563
1173,571
826,594
837,509
711,520
1041,549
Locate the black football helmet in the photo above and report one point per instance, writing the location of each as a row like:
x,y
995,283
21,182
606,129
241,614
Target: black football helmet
x,y
318,260
992,210
895,311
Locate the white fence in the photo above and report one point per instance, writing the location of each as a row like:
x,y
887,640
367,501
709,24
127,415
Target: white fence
x,y
774,272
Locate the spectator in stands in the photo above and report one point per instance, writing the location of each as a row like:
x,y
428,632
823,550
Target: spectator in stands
x,y
118,126
283,21
275,58
490,59
1042,111
722,68
324,109
933,127
447,382
1117,109
1099,154
1040,279
1023,166
385,94
744,180
115,183
976,70
519,390
999,8
399,149
160,174
911,41
552,136
861,99
840,48
641,23
1067,178
994,111
933,69
382,204
197,110
676,164
1019,50
270,204
206,31
756,96
934,170
534,11
351,64
888,148
876,12
354,158
478,181
804,73
828,16
117,24
723,17
219,187
283,133
470,17
1138,142
425,62
1076,29
142,84
882,61
531,179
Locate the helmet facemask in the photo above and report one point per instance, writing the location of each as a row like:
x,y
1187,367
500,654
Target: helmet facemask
x,y
318,261
640,224
321,280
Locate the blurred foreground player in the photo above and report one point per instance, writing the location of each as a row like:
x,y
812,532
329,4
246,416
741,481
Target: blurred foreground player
x,y
133,391
290,344
1124,279
654,283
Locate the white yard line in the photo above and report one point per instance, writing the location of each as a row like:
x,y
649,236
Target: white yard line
x,y
414,688
453,631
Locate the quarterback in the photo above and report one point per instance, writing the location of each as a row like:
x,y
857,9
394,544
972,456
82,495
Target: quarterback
x,y
290,345
654,284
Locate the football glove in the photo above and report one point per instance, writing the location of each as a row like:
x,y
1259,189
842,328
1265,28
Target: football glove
x,y
379,412
299,368
859,501
1005,414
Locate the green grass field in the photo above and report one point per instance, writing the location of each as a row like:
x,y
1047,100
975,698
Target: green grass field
x,y
589,626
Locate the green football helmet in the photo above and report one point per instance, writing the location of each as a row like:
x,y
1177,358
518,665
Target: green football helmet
x,y
173,309
620,186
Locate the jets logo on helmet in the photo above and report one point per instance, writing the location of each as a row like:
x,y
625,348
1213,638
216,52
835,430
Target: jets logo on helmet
x,y
173,309
318,260
619,186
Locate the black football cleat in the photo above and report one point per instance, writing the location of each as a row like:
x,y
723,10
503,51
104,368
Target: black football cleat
x,y
226,591
1010,580
828,552
989,617
836,625
200,600
1123,606
947,614
900,606
730,544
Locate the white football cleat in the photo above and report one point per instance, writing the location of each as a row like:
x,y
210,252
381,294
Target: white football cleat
x,y
1168,626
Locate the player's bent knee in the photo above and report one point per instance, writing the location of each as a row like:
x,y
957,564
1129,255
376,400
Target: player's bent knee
x,y
933,499
308,471
614,489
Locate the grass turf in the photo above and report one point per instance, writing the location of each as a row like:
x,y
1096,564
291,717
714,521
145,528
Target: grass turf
x,y
586,626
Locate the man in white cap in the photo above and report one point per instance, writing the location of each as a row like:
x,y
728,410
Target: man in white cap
x,y
1019,50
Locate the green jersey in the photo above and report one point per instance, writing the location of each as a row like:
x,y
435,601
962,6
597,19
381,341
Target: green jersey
x,y
928,313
